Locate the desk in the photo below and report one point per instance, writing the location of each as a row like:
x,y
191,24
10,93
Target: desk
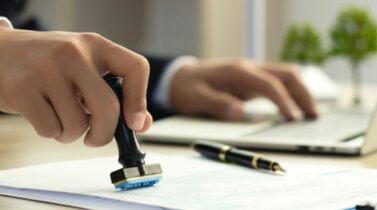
x,y
20,146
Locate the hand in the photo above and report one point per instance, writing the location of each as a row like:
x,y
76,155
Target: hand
x,y
219,88
49,77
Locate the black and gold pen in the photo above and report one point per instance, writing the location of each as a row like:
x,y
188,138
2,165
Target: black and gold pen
x,y
231,154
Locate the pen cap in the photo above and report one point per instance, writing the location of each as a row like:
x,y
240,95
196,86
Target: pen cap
x,y
210,149
130,154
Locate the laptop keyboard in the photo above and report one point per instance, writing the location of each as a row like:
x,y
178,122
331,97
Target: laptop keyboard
x,y
336,126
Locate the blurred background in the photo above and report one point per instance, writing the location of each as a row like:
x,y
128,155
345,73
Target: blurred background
x,y
207,29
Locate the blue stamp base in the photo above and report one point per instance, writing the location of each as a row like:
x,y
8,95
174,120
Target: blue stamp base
x,y
133,184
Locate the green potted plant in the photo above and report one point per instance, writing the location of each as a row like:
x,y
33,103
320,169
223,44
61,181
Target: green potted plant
x,y
302,45
354,36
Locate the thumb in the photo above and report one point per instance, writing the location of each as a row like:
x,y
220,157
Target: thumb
x,y
221,105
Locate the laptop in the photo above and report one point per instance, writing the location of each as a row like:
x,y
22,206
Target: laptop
x,y
343,132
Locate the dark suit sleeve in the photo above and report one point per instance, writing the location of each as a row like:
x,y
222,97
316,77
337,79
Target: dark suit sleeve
x,y
157,68
12,10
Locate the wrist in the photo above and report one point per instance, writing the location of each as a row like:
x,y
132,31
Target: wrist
x,y
163,90
180,85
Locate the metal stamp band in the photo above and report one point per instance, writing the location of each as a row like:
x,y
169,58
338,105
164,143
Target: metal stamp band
x,y
222,154
254,161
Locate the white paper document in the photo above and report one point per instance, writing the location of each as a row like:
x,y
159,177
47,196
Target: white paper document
x,y
192,182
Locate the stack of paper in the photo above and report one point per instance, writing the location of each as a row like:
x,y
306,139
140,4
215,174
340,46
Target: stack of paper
x,y
194,183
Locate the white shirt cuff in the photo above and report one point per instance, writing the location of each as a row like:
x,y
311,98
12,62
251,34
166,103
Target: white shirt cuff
x,y
162,92
4,22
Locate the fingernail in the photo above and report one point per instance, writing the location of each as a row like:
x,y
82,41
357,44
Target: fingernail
x,y
297,115
137,121
234,112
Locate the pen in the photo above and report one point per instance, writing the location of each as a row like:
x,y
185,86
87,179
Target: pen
x,y
226,153
365,206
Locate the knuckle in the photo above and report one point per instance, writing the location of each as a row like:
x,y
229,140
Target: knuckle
x,y
69,47
91,37
241,64
142,64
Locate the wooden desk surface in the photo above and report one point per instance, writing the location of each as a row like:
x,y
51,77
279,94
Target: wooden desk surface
x,y
20,146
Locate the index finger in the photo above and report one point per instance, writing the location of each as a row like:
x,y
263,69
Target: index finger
x,y
134,69
290,78
261,82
